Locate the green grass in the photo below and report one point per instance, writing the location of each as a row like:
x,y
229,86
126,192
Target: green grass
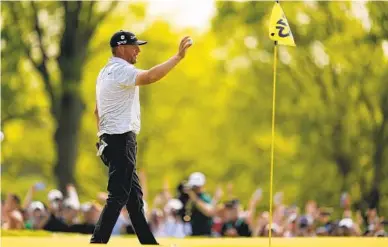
x,y
41,239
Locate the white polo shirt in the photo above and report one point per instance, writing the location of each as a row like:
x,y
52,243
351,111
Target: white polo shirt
x,y
117,97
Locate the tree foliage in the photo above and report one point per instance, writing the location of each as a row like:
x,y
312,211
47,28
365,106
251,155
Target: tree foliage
x,y
213,112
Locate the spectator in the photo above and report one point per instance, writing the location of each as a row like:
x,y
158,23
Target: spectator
x,y
306,227
157,223
37,216
192,212
234,225
325,222
347,228
90,214
202,209
380,231
311,210
13,216
372,217
55,198
70,212
250,213
218,220
276,230
174,225
291,226
261,223
53,224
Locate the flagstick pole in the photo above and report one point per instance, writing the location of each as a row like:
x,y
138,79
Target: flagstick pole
x,y
272,142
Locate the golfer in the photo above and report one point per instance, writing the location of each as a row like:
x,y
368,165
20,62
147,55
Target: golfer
x,y
118,120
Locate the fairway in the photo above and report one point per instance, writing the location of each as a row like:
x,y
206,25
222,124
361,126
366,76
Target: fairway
x,y
79,241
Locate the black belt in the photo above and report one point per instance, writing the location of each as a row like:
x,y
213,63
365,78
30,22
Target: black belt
x,y
105,136
129,133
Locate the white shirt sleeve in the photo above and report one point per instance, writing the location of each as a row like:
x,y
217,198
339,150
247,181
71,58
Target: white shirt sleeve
x,y
126,75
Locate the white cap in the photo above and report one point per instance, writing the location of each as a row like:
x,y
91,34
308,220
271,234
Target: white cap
x,y
347,222
55,194
36,205
197,179
174,204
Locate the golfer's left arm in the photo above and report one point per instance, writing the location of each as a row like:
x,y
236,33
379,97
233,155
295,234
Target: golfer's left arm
x,y
156,73
161,70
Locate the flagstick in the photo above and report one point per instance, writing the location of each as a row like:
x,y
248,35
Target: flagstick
x,y
272,142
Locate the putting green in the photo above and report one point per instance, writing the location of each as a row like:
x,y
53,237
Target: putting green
x,y
80,241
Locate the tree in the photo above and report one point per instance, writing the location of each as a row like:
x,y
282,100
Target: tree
x,y
54,37
331,93
213,112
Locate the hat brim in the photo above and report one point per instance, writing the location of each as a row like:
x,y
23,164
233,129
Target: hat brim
x,y
37,208
141,42
138,42
195,184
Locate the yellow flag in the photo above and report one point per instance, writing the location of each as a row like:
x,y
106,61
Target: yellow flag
x,y
279,30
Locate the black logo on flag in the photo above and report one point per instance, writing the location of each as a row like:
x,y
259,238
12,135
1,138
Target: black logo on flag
x,y
281,25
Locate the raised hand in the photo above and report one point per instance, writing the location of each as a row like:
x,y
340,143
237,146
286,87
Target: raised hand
x,y
185,43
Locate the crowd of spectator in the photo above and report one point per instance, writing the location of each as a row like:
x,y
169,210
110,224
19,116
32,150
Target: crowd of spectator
x,y
191,212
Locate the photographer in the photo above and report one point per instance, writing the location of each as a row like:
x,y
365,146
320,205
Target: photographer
x,y
202,208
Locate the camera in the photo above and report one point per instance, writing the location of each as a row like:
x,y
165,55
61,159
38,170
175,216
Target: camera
x,y
184,198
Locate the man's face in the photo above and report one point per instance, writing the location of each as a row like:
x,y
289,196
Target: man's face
x,y
197,189
38,215
56,205
129,53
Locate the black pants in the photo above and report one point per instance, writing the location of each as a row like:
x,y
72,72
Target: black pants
x,y
124,189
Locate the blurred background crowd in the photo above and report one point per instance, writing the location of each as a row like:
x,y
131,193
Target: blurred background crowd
x,y
212,114
192,211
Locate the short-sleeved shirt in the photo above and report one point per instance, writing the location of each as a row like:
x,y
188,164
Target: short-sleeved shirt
x,y
117,98
201,224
